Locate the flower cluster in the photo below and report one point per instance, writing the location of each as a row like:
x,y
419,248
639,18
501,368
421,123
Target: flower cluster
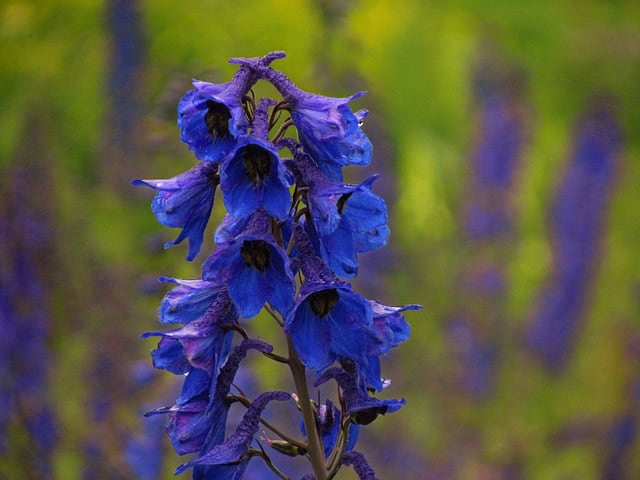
x,y
288,245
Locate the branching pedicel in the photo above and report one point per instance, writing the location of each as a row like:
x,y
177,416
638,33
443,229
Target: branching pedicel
x,y
292,231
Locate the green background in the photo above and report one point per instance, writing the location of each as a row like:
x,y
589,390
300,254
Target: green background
x,y
416,61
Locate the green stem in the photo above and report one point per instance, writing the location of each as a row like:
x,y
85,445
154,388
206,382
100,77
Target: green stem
x,y
316,451
336,460
267,460
247,403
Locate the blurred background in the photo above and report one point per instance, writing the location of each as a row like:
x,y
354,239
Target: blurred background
x,y
507,135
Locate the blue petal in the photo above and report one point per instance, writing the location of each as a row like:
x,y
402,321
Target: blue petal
x,y
169,356
240,196
367,214
347,322
248,290
276,197
188,301
311,337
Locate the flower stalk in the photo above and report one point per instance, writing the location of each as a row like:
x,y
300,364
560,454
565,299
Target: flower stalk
x,y
315,448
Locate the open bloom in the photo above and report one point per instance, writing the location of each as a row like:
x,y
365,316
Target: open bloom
x,y
253,176
346,219
330,132
329,321
229,460
362,408
211,117
255,270
185,201
328,129
328,421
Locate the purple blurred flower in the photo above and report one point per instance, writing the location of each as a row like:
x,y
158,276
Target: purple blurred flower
x,y
577,220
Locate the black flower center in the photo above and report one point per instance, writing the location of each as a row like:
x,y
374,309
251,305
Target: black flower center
x,y
256,254
323,302
217,120
368,415
256,162
342,200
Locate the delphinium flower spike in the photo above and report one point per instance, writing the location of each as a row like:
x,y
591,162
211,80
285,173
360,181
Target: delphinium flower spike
x,y
292,229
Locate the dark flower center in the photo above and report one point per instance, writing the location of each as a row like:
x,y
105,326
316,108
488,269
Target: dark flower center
x,y
342,200
323,302
256,162
368,415
217,119
256,254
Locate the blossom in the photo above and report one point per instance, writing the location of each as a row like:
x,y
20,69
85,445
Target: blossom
x,y
328,129
388,329
211,116
253,176
328,422
362,408
185,201
188,301
328,321
345,219
254,269
231,457
198,418
204,341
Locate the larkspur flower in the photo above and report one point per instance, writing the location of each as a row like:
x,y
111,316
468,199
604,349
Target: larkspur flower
x,y
254,269
362,408
388,329
232,457
328,129
198,418
327,322
346,219
185,201
188,301
328,422
211,116
253,176
202,342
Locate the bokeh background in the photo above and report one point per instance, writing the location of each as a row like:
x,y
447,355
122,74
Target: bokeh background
x,y
507,135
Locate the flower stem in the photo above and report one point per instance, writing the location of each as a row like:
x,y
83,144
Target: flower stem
x,y
316,451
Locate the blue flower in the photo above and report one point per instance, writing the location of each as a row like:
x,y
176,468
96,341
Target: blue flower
x,y
188,301
362,408
197,420
185,201
329,131
388,329
345,219
253,176
232,457
328,421
255,270
204,341
327,322
211,116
